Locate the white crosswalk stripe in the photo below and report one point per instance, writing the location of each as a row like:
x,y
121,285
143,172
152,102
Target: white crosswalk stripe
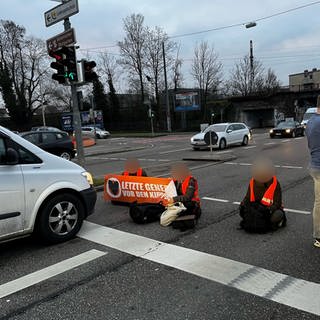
x,y
281,288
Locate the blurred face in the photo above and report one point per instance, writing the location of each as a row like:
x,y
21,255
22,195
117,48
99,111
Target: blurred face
x,y
263,171
132,165
180,171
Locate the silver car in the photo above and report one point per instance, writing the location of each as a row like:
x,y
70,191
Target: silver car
x,y
95,132
228,134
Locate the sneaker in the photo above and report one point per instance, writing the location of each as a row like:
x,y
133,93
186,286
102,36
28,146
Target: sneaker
x,y
317,243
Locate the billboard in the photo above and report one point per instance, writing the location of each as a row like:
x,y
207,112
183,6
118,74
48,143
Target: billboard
x,y
86,119
187,101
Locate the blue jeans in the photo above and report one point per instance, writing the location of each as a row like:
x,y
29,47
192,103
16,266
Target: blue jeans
x,y
315,174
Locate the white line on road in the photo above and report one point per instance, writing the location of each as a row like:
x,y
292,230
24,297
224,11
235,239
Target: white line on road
x,y
291,167
269,143
49,272
215,199
223,152
237,203
274,286
250,147
250,164
172,151
284,141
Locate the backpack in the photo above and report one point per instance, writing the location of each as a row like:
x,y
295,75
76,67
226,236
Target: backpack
x,y
255,218
145,212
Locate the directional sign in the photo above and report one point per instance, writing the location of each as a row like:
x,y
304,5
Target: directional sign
x,y
60,12
63,39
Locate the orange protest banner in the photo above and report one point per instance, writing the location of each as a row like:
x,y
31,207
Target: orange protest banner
x,y
136,189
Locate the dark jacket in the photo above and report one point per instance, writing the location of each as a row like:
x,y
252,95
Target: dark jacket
x,y
134,174
189,194
259,191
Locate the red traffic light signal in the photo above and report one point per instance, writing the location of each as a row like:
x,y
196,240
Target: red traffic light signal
x,y
88,74
65,64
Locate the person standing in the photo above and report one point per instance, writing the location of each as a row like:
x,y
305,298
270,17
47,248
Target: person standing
x,y
313,136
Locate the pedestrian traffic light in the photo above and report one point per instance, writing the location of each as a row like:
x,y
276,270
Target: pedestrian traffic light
x,y
89,74
65,64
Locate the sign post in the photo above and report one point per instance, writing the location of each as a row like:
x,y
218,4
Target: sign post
x,y
62,12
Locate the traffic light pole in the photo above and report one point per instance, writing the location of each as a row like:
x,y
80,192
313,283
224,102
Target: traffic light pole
x,y
76,113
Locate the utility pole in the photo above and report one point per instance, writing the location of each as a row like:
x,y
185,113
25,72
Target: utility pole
x,y
166,88
76,112
251,67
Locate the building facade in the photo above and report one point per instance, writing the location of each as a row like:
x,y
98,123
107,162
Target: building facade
x,y
304,81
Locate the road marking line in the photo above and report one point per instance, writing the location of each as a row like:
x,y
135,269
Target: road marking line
x,y
287,140
245,164
237,203
250,147
223,152
291,167
232,163
33,278
300,138
274,286
269,143
215,199
172,151
297,211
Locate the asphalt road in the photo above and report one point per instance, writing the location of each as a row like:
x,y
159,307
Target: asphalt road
x,y
116,269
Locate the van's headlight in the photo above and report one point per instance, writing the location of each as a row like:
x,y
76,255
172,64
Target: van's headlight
x,y
192,139
271,131
288,130
88,176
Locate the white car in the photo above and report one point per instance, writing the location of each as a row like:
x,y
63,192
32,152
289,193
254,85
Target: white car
x,y
95,132
228,134
40,192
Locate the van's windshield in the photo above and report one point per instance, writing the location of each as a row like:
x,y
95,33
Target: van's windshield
x,y
307,116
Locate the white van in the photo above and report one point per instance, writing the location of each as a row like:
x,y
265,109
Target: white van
x,y
307,116
40,192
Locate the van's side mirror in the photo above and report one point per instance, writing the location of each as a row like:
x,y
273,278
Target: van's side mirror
x,y
12,157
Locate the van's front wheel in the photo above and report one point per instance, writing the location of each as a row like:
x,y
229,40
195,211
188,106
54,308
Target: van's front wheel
x,y
60,219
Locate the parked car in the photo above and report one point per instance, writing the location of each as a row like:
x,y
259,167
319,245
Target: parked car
x,y
287,129
95,132
41,193
228,134
57,143
54,129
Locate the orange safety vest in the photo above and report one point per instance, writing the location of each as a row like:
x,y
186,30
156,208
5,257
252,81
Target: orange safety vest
x,y
185,185
138,173
268,197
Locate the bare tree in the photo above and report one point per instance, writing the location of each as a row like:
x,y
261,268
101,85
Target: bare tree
x,y
271,83
155,40
177,77
133,46
206,70
23,66
246,80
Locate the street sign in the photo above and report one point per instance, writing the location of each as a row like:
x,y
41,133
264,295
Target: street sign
x,y
211,138
63,39
61,12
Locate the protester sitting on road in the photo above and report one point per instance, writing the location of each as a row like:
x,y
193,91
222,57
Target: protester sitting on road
x,y
313,135
188,194
261,210
132,168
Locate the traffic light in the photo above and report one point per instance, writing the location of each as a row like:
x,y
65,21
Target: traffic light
x,y
89,74
58,65
65,64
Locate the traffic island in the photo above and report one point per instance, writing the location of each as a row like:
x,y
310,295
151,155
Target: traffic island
x,y
211,157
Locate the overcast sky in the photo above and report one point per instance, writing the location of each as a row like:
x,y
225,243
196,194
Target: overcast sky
x,y
288,43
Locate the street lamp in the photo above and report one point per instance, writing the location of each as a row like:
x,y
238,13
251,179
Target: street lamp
x,y
149,103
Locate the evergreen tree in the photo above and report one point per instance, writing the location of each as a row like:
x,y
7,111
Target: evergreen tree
x,y
101,101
